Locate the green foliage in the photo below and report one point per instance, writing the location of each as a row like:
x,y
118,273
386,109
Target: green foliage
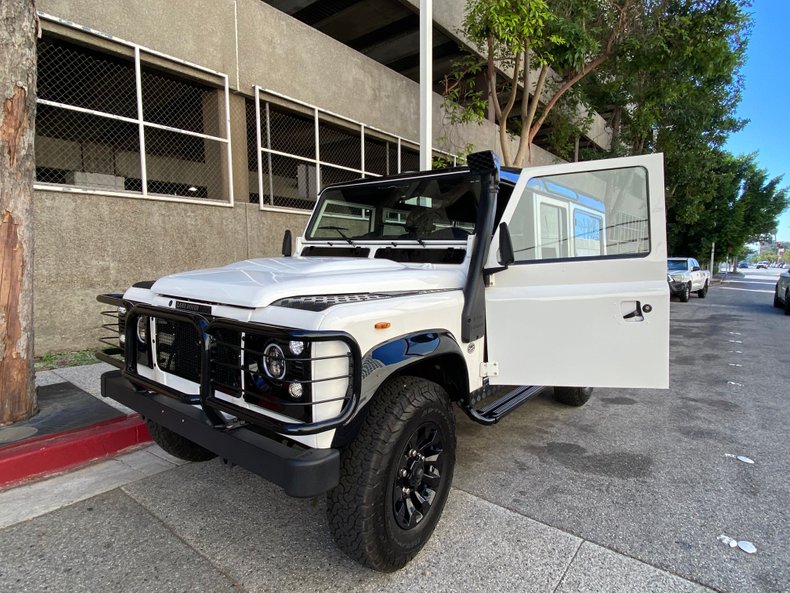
x,y
674,89
743,208
666,74
567,123
551,43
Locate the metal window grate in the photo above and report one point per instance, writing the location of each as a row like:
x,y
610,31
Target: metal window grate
x,y
299,150
112,124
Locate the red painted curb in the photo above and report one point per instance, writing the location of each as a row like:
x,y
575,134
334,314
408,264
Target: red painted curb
x,y
55,453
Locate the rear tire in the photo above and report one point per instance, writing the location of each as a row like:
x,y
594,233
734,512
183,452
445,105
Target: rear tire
x,y
703,292
395,476
177,445
686,294
572,396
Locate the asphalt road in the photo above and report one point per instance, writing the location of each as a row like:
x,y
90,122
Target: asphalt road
x,y
628,493
648,473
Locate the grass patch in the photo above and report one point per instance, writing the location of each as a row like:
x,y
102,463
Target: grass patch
x,y
59,360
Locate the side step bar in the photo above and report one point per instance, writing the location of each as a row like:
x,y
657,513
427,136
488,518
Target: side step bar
x,y
502,406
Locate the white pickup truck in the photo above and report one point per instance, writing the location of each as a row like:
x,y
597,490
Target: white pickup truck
x,y
685,275
335,369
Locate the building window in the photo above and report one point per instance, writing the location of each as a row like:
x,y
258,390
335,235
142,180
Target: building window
x,y
295,150
97,132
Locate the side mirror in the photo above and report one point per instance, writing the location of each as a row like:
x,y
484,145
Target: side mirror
x,y
506,254
287,248
695,269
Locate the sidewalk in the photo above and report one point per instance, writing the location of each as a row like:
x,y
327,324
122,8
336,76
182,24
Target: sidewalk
x,y
74,426
144,521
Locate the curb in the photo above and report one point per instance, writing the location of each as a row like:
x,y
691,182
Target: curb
x,y
49,454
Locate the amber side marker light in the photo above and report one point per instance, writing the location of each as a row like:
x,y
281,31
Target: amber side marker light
x,y
382,325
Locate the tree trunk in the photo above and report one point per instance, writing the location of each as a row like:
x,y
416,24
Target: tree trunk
x,y
18,97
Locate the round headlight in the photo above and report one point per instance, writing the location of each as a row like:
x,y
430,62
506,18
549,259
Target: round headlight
x,y
274,361
142,329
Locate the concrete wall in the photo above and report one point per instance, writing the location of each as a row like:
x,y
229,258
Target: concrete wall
x,y
88,244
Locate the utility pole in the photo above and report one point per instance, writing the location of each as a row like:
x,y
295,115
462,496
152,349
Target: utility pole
x,y
17,121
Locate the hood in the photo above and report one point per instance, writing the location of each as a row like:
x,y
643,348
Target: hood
x,y
259,282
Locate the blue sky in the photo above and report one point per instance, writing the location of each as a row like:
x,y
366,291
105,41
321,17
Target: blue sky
x,y
766,96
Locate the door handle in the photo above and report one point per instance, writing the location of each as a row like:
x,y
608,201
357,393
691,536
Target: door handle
x,y
634,311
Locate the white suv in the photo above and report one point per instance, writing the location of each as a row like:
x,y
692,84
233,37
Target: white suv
x,y
335,370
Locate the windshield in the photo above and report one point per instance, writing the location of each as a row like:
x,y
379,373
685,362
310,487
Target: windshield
x,y
429,208
677,265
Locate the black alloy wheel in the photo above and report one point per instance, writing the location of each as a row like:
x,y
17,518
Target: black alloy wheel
x,y
395,475
419,476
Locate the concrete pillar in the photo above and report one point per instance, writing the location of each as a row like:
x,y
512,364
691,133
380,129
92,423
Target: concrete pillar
x,y
426,84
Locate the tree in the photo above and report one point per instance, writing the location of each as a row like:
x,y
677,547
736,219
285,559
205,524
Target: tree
x,y
744,208
18,96
674,90
562,41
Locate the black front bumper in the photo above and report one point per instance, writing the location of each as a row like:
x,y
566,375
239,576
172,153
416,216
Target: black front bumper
x,y
677,287
300,471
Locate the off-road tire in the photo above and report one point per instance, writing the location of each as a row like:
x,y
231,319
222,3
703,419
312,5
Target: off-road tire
x,y
703,292
177,445
572,396
686,294
404,415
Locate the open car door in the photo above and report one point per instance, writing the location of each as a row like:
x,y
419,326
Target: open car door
x,y
586,301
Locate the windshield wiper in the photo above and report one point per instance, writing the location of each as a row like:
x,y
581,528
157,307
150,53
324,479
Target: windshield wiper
x,y
339,230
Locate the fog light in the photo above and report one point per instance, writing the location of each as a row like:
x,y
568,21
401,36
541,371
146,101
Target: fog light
x,y
122,340
274,361
296,347
295,389
121,311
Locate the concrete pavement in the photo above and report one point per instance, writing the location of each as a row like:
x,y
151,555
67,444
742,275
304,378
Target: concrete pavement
x,y
168,528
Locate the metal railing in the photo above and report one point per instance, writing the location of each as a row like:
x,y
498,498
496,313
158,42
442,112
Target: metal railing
x,y
118,124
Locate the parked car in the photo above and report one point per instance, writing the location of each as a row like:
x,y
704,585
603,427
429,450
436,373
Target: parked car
x,y
685,275
782,292
762,265
333,369
743,264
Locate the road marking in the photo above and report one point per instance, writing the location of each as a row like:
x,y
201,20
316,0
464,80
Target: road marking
x,y
734,383
746,289
735,341
745,282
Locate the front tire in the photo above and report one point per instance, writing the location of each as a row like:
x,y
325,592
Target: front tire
x,y
395,476
177,445
572,396
777,303
787,302
703,292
